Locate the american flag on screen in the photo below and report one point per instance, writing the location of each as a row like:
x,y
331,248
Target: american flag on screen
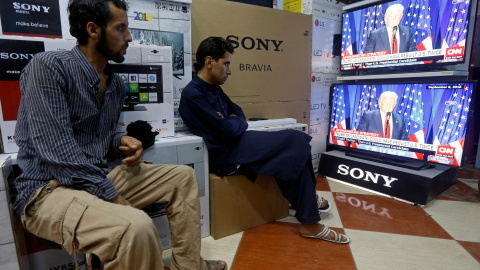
x,y
340,109
417,16
368,101
454,25
451,130
410,106
372,20
349,36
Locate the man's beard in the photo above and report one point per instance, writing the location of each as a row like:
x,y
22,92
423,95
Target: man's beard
x,y
103,49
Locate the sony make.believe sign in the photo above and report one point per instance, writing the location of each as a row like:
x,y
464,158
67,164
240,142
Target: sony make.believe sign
x,y
39,18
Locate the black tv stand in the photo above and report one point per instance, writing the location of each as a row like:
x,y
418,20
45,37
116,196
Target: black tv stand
x,y
414,186
409,164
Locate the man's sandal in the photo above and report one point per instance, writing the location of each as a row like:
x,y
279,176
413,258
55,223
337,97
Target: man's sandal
x,y
325,232
320,200
212,265
326,208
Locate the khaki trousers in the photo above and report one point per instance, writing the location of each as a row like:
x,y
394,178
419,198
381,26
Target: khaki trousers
x,y
122,236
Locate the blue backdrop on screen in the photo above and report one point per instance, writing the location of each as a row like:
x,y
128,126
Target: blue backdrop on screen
x,y
435,113
436,24
39,18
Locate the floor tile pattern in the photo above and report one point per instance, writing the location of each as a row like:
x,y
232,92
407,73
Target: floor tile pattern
x,y
385,234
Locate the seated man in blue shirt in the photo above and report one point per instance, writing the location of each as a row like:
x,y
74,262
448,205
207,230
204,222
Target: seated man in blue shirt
x,y
208,112
67,193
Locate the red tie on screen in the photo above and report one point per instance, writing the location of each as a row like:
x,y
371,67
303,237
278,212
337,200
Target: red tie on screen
x,y
394,43
387,128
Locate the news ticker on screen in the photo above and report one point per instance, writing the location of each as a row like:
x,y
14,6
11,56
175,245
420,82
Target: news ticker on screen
x,y
383,58
375,140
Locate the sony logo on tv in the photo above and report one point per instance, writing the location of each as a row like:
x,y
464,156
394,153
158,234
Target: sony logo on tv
x,y
28,7
358,173
249,43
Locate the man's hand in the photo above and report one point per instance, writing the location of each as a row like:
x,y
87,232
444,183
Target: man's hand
x,y
133,149
121,200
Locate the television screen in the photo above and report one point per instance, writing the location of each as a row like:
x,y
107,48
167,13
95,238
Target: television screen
x,y
424,121
143,84
162,38
405,33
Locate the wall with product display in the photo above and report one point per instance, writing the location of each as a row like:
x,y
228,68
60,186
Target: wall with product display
x,y
326,32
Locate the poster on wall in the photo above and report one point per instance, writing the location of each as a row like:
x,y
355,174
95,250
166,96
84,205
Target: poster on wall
x,y
14,56
34,18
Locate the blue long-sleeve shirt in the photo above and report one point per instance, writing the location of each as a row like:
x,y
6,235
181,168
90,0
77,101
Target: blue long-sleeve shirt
x,y
63,131
208,112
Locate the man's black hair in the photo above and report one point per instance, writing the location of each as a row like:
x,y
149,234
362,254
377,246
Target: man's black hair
x,y
214,47
82,12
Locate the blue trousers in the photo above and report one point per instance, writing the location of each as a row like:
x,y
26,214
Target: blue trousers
x,y
302,195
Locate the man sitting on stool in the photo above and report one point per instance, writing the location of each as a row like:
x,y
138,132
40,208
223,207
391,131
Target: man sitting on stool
x,y
67,193
208,112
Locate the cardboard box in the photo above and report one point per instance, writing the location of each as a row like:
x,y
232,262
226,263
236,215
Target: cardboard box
x,y
271,63
297,109
158,112
237,204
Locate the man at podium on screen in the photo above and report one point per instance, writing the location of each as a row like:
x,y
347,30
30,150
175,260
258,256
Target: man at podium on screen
x,y
392,37
384,121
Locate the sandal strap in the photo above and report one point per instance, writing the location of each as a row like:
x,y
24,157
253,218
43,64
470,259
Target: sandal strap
x,y
326,230
211,264
320,201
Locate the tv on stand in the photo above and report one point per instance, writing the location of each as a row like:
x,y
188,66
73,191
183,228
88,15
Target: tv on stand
x,y
406,36
427,122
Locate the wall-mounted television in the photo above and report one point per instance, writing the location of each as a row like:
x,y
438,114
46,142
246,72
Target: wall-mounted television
x,y
421,123
406,34
143,84
163,38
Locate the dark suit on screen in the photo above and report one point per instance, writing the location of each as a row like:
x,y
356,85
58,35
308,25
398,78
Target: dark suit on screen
x,y
372,122
378,40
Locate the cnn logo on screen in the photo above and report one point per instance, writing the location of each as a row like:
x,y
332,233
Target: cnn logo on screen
x,y
446,150
455,51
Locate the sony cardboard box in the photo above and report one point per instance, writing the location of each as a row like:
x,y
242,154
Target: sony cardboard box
x,y
271,63
238,204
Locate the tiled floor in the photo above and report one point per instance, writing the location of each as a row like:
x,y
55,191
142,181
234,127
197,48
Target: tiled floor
x,y
385,234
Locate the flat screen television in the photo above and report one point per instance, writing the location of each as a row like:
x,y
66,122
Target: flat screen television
x,y
428,33
427,122
162,38
143,84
